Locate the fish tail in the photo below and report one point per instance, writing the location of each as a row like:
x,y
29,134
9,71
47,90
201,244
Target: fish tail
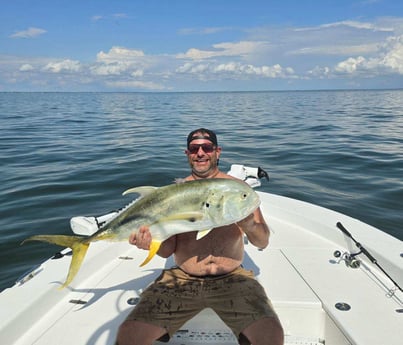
x,y
78,245
155,245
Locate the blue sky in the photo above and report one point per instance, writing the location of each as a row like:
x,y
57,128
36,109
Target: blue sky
x,y
206,45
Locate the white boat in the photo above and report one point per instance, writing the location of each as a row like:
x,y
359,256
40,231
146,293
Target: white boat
x,y
325,286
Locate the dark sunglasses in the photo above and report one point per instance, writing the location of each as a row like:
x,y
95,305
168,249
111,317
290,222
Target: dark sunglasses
x,y
207,148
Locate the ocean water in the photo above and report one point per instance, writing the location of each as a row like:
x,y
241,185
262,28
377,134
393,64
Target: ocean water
x,y
68,154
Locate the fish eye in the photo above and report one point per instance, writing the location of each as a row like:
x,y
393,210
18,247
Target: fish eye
x,y
244,195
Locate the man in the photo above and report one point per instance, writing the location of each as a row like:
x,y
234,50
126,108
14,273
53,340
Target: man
x,y
208,272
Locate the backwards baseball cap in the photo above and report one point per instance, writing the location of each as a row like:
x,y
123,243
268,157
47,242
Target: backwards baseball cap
x,y
202,133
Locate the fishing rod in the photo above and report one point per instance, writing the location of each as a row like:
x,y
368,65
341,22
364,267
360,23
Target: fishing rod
x,y
366,253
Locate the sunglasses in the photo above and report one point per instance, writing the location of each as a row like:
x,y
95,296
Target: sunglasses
x,y
207,148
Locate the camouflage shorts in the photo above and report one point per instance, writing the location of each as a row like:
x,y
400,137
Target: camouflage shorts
x,y
175,297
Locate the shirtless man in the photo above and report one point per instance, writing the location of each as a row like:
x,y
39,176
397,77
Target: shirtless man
x,y
208,272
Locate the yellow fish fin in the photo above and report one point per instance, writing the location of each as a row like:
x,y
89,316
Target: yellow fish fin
x,y
79,251
144,190
154,247
76,243
202,233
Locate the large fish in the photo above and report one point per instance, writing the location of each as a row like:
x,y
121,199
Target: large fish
x,y
199,205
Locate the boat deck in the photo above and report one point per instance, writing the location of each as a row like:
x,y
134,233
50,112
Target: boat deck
x,y
298,270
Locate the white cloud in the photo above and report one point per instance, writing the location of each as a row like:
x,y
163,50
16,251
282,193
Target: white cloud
x,y
135,84
137,73
358,25
202,31
192,68
26,68
120,15
115,68
96,18
235,69
337,49
119,60
394,56
350,65
319,72
29,33
63,66
242,48
197,54
343,51
350,24
391,61
118,54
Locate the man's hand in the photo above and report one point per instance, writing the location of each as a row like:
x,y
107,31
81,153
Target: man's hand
x,y
256,229
141,239
246,223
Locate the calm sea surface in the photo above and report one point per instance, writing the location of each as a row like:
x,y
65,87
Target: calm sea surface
x,y
67,154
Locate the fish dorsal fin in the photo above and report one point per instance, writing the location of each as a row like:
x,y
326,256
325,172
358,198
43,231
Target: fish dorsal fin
x,y
154,247
202,233
143,191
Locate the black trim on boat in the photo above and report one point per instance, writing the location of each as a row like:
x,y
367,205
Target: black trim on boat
x,y
366,253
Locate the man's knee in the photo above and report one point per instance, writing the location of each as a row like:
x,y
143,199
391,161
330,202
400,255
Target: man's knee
x,y
133,332
125,331
266,331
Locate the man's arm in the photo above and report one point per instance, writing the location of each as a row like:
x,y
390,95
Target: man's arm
x,y
256,229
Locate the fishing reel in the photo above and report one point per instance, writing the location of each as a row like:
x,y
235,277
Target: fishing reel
x,y
349,259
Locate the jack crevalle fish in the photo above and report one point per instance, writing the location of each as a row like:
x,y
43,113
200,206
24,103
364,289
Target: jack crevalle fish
x,y
199,205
